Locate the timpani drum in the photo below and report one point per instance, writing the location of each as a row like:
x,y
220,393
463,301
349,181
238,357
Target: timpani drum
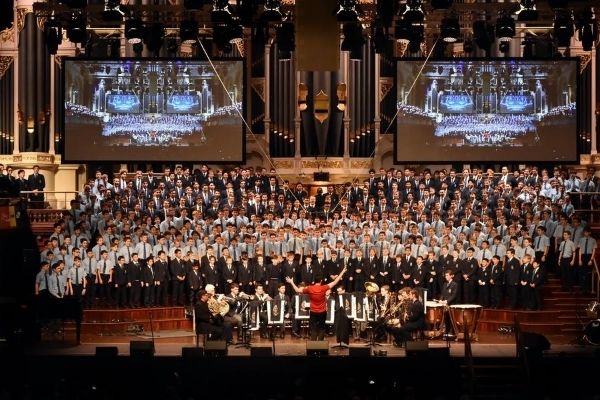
x,y
465,317
434,317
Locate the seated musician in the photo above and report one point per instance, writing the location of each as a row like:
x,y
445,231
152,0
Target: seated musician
x,y
206,322
233,316
287,308
261,297
415,319
383,299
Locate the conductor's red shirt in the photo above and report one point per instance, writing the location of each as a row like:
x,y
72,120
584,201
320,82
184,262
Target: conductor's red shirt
x,y
317,297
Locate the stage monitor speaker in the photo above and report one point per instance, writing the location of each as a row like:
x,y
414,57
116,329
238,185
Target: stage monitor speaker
x,y
317,348
107,351
261,351
215,348
362,351
321,176
416,348
192,352
141,348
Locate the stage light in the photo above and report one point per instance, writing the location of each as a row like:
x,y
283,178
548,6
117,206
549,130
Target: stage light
x,y
563,28
221,13
286,43
483,34
528,11
193,4
154,37
347,11
236,32
450,29
587,29
272,13
441,4
53,35
379,38
134,30
188,31
414,12
505,28
76,31
403,31
112,10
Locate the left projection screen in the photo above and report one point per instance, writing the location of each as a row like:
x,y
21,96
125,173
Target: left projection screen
x,y
153,110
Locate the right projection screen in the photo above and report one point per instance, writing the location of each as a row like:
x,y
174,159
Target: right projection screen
x,y
486,110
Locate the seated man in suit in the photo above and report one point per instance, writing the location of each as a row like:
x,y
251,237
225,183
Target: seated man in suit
x,y
206,322
415,319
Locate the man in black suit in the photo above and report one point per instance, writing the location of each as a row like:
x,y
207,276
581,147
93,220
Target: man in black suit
x,y
513,277
415,319
536,285
450,296
206,323
36,182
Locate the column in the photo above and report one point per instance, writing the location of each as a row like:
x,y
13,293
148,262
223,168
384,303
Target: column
x,y
345,64
297,118
267,89
377,109
594,144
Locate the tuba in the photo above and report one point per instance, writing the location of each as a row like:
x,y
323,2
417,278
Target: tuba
x,y
371,288
217,307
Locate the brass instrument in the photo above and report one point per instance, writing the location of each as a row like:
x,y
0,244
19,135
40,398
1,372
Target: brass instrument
x,y
371,288
395,312
218,307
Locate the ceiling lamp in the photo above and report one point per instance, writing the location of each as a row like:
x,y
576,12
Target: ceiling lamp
x,y
450,29
528,11
505,28
414,11
188,31
134,30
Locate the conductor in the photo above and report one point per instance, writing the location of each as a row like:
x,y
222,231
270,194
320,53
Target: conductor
x,y
318,303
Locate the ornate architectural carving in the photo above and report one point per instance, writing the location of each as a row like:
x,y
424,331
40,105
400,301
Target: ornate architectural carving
x,y
354,164
258,85
41,21
322,164
584,60
58,61
241,47
385,85
321,106
5,62
21,14
283,164
8,34
401,48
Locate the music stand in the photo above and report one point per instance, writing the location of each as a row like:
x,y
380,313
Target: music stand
x,y
371,314
275,315
302,314
246,324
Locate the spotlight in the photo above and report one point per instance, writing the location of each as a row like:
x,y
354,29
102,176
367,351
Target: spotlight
x,y
188,31
414,11
505,28
379,38
112,10
403,31
134,30
236,32
76,31
528,11
221,13
271,13
504,47
484,35
450,29
154,37
563,28
587,29
441,4
53,35
347,11
286,43
193,4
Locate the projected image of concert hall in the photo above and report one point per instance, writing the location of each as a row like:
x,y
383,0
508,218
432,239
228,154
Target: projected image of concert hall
x,y
147,105
509,109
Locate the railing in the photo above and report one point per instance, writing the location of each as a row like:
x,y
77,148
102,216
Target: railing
x,y
54,199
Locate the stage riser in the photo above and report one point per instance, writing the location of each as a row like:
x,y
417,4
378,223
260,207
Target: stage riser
x,y
133,314
122,328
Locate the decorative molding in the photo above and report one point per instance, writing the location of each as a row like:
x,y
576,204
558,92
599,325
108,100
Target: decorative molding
x,y
44,160
355,164
8,34
321,106
322,164
283,164
241,48
258,85
385,85
21,14
58,61
584,60
5,62
41,21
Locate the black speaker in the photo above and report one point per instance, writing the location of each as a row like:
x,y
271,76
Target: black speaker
x,y
321,176
362,351
534,341
261,351
192,352
317,348
141,348
215,348
107,351
416,348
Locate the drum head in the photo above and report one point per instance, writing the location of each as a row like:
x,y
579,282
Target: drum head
x,y
592,332
465,306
